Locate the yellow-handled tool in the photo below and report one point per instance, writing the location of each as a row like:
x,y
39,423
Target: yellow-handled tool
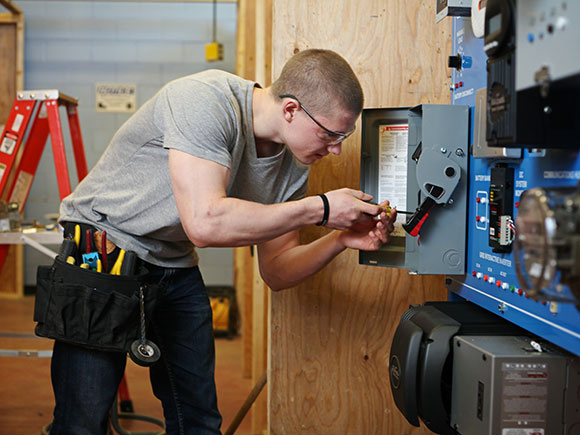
x,y
77,235
116,270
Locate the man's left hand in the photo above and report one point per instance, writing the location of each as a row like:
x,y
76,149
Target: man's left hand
x,y
370,234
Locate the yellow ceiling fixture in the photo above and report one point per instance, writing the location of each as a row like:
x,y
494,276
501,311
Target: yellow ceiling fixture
x,y
214,51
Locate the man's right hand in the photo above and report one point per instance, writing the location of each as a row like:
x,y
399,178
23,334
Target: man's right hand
x,y
348,207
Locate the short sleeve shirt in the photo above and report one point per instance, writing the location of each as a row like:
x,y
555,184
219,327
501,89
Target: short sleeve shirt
x,y
129,193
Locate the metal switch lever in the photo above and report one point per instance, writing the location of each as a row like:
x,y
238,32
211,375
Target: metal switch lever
x,y
413,225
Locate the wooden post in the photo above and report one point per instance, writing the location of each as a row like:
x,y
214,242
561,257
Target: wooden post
x,y
330,337
261,306
259,347
243,282
254,63
246,40
245,67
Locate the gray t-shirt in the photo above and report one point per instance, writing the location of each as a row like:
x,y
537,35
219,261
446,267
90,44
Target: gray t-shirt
x,y
129,194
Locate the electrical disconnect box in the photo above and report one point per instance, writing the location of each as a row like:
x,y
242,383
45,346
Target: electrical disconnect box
x,y
417,159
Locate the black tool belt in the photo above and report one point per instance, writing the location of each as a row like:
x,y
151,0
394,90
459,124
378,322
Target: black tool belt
x,y
93,309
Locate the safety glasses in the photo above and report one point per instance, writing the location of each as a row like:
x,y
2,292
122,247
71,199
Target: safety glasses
x,y
335,137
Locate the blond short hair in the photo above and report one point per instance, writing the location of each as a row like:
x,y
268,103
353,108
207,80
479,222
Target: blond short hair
x,y
320,79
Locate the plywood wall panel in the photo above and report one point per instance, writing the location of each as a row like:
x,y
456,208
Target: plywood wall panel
x,y
330,337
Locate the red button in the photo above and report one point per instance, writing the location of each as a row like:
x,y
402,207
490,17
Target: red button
x,y
498,283
456,85
478,199
520,291
477,218
485,277
460,84
473,273
517,204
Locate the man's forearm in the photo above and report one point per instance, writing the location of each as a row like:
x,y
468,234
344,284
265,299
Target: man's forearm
x,y
296,264
234,222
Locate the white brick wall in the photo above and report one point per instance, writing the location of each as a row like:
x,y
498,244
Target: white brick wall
x,y
71,45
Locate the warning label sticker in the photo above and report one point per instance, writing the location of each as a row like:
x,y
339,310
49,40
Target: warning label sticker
x,y
524,398
393,140
17,122
8,143
522,431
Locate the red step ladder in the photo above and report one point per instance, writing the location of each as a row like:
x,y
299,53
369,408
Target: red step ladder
x,y
35,115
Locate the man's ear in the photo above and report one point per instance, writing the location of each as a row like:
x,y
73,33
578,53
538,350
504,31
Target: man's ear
x,y
289,109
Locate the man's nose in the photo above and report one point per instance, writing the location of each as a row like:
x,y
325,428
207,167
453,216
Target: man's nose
x,y
335,149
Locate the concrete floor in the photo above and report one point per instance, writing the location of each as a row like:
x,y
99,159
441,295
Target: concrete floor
x,y
26,399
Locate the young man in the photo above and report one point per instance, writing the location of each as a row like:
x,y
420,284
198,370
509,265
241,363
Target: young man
x,y
213,160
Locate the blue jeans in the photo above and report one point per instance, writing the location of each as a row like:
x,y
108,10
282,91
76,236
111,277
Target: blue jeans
x,y
85,381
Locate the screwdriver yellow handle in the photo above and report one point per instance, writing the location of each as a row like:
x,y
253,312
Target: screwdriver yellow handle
x,y
116,270
77,235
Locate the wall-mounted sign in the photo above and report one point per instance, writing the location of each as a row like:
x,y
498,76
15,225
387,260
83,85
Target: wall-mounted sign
x,y
115,97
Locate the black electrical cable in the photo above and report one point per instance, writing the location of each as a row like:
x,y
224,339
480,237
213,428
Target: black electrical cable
x,y
214,20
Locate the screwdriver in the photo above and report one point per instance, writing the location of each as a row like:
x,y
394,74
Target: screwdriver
x,y
67,248
387,209
104,250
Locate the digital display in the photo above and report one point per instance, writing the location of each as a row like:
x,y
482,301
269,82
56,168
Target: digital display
x,y
494,24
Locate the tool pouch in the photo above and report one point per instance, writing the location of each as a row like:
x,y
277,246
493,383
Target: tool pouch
x,y
91,309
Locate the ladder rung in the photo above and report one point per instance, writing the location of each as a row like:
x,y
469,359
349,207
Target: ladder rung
x,y
46,94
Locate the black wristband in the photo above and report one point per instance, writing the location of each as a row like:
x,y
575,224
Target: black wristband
x,y
326,210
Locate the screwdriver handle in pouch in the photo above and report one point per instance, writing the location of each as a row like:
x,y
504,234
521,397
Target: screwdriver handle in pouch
x,y
67,249
129,263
